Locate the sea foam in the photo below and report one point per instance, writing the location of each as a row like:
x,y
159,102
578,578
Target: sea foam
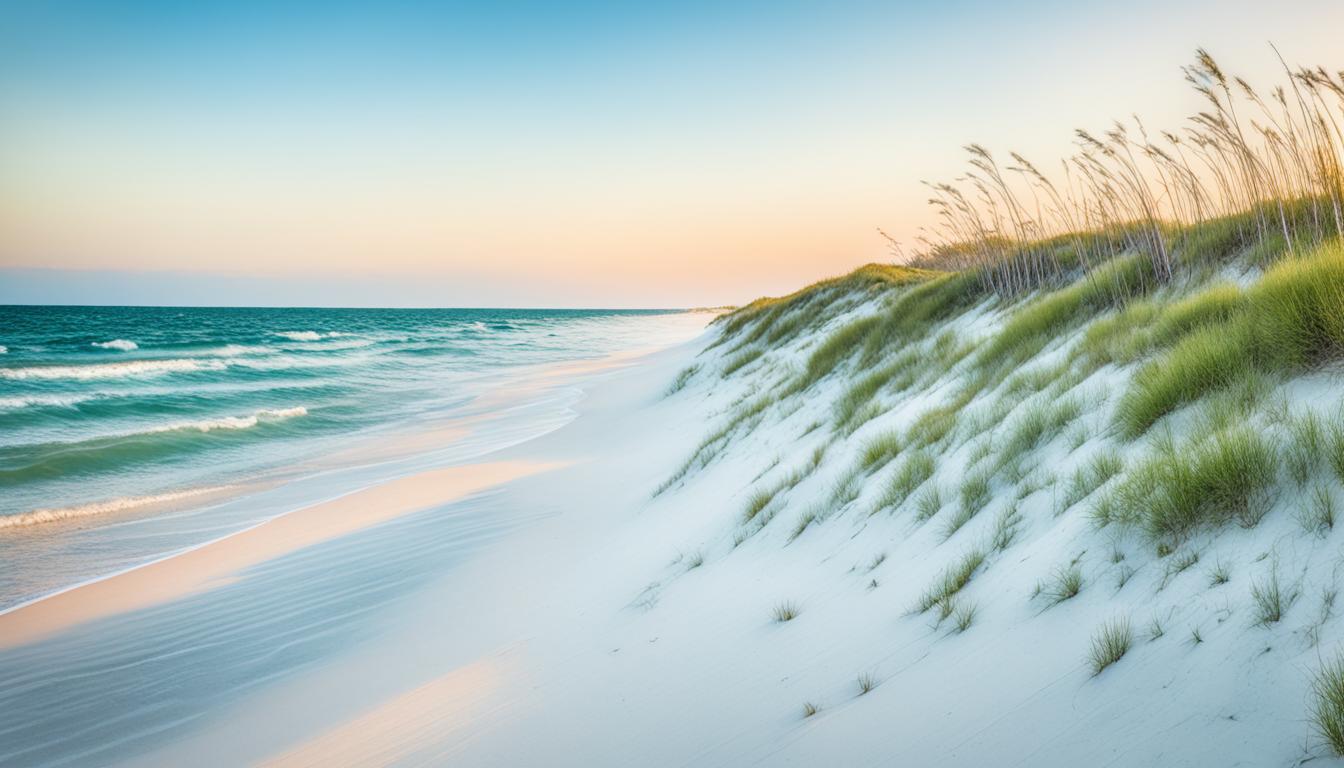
x,y
121,345
231,422
39,516
28,401
111,370
308,335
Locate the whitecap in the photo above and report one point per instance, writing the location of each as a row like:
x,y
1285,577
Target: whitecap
x,y
309,335
121,345
111,370
231,422
4,350
27,401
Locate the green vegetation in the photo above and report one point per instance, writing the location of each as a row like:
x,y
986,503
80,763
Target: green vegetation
x,y
741,360
1222,478
1086,479
1327,711
880,450
1005,528
914,470
785,611
972,498
1065,583
929,502
1288,322
1109,645
1271,600
867,682
964,616
682,379
951,581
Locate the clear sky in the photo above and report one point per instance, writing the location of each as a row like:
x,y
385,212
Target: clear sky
x,y
547,154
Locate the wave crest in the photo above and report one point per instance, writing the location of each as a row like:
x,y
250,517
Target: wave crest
x,y
57,401
232,422
111,370
308,335
121,345
39,516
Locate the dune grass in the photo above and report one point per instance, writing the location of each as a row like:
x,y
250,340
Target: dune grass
x,y
964,616
1110,644
913,471
952,580
1306,446
1086,479
1006,526
1064,584
785,611
1327,710
880,450
741,360
682,379
1271,599
1223,478
1290,321
1038,424
867,682
928,503
972,497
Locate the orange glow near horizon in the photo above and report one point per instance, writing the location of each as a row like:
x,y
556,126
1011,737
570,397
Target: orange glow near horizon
x,y
713,168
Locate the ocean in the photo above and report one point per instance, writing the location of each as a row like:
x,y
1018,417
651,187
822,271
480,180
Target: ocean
x,y
130,433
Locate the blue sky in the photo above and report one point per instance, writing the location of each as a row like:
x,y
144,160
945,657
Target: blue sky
x,y
550,154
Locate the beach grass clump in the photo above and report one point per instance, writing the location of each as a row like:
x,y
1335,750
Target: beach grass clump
x,y
861,396
1086,479
951,581
867,682
1110,644
1064,583
1271,599
1219,575
1299,310
836,348
1205,361
913,471
1290,321
804,521
785,611
1005,529
1038,424
1213,306
741,360
880,450
682,379
1223,478
1318,514
1327,710
963,616
973,496
758,501
1306,445
928,503
1044,319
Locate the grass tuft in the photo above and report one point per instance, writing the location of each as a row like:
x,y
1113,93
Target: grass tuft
x,y
785,611
1327,711
951,581
1109,645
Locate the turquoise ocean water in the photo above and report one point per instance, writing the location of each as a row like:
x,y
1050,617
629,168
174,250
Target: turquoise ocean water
x,y
224,417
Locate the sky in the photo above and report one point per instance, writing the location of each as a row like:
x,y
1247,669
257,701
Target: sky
x,y
561,154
